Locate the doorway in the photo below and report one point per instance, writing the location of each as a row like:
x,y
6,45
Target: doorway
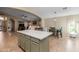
x,y
10,25
1,26
73,28
1,23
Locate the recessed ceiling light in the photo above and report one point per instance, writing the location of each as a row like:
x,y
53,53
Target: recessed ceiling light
x,y
24,16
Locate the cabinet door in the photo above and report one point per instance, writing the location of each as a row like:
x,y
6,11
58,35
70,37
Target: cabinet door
x,y
19,40
22,43
27,46
35,47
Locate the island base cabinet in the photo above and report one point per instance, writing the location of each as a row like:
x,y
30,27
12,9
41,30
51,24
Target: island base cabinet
x,y
30,44
44,45
34,47
24,42
21,43
27,46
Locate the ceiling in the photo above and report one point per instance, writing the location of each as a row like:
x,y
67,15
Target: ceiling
x,y
49,12
36,13
19,14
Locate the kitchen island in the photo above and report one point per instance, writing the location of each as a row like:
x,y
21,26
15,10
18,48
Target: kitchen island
x,y
34,41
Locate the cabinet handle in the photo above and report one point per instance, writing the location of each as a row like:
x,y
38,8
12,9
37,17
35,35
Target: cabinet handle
x,y
35,43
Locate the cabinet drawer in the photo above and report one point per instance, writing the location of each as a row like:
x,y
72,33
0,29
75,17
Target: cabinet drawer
x,y
35,40
23,36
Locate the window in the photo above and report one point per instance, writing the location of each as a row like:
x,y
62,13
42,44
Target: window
x,y
72,27
1,18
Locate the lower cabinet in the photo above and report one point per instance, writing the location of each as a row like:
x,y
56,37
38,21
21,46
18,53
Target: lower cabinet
x,y
35,47
24,42
30,44
27,46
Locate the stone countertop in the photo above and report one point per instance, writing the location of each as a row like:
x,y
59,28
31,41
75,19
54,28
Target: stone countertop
x,y
36,34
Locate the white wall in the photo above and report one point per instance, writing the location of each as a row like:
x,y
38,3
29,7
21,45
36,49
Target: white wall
x,y
61,22
49,23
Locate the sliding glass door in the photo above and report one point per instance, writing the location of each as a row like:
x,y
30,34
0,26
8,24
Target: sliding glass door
x,y
72,27
77,26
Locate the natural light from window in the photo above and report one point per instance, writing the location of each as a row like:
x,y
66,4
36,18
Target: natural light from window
x,y
72,27
1,18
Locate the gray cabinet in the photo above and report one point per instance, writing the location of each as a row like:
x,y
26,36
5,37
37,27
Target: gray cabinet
x,y
24,42
34,47
31,44
27,46
35,44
